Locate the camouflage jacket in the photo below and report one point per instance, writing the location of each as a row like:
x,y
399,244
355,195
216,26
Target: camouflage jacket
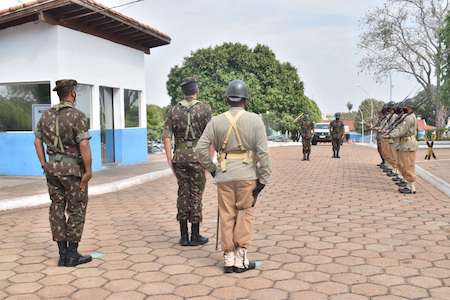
x,y
195,113
73,128
306,127
337,129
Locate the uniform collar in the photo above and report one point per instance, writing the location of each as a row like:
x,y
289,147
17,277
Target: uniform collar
x,y
236,108
66,104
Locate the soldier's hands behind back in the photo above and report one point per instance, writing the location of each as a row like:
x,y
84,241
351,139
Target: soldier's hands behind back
x,y
259,187
84,181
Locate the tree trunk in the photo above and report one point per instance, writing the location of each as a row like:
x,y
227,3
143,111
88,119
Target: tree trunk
x,y
441,115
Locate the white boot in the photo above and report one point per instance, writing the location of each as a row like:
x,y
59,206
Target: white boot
x,y
241,261
228,261
412,187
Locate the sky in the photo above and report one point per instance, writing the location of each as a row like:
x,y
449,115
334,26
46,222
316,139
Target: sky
x,y
318,37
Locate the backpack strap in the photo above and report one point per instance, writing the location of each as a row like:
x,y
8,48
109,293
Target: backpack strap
x,y
233,127
57,142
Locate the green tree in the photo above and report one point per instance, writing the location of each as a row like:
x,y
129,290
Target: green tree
x,y
275,87
445,89
369,115
155,121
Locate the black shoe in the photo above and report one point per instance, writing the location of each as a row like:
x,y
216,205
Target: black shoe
x,y
184,235
307,156
228,269
401,184
251,266
406,190
74,258
396,178
62,248
196,238
391,174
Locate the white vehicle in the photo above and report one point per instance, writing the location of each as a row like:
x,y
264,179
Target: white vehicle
x,y
321,133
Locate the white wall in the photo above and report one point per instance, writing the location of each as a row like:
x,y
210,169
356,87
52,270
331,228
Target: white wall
x,y
100,62
40,52
28,53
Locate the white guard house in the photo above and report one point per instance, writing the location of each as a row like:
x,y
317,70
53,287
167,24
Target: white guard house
x,y
46,40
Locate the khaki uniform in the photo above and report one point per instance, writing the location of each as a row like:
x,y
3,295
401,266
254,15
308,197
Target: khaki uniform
x,y
62,128
406,133
385,142
392,148
186,122
243,159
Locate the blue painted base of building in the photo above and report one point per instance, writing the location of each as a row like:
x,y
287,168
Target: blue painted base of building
x,y
18,157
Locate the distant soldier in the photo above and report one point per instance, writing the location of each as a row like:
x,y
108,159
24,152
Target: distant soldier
x,y
64,129
406,131
430,144
186,121
393,142
381,118
337,132
387,168
244,170
307,132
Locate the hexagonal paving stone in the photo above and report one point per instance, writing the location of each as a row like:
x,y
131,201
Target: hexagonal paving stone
x,y
369,289
56,291
313,276
184,279
177,269
89,282
87,272
26,277
57,279
255,283
441,293
118,274
231,292
303,295
349,278
269,294
298,267
425,282
277,274
156,288
408,291
330,288
130,295
189,291
436,272
122,285
96,293
23,288
349,297
292,285
366,270
386,280
171,260
145,267
332,268
402,271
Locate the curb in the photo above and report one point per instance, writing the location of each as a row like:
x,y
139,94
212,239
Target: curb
x,y
437,182
105,188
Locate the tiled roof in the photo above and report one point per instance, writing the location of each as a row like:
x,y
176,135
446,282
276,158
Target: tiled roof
x,y
82,15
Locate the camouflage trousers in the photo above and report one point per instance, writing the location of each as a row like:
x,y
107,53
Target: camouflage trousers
x,y
191,184
336,142
67,199
306,142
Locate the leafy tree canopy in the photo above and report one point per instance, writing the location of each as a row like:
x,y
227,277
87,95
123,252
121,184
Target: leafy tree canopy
x,y
275,87
369,115
155,121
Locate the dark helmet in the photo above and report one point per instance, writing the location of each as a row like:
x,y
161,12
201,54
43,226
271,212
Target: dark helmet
x,y
237,90
337,115
390,105
306,115
398,108
409,103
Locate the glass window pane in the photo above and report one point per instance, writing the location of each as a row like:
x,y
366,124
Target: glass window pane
x,y
84,100
132,99
16,102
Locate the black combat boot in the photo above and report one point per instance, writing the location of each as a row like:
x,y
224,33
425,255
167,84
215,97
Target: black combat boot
x,y
74,258
334,153
337,154
184,239
307,156
62,248
196,238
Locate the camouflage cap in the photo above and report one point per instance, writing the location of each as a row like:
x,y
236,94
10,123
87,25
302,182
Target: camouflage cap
x,y
337,115
65,83
409,103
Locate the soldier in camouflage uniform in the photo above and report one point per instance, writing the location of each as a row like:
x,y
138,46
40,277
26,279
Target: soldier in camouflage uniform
x,y
306,131
186,121
64,130
337,133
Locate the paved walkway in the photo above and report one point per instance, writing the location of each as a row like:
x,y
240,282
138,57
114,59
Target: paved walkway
x,y
14,186
326,229
439,167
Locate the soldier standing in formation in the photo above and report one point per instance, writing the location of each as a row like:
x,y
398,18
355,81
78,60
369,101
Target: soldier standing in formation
x,y
186,122
307,132
379,134
337,132
406,133
64,129
244,170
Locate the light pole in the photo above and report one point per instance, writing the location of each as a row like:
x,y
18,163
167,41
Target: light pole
x,y
362,126
371,110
